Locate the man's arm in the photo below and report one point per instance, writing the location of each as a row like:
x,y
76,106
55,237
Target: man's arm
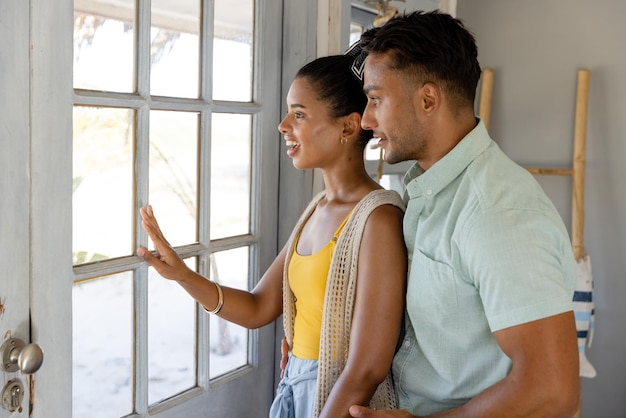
x,y
543,382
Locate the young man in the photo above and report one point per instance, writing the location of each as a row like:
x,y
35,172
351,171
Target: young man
x,y
490,330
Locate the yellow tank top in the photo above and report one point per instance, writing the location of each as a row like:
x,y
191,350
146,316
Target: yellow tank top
x,y
307,280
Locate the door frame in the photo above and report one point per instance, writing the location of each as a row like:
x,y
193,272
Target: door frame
x,y
14,180
50,70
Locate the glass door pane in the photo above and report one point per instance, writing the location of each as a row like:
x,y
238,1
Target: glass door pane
x,y
229,342
103,183
162,117
173,173
175,48
231,170
171,338
233,50
103,34
102,347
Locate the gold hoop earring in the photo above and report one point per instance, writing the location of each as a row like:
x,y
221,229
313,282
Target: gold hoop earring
x,y
344,139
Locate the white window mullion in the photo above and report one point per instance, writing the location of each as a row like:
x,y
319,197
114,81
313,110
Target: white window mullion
x,y
206,50
204,182
142,138
142,47
140,293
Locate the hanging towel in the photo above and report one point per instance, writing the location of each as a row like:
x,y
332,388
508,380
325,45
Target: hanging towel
x,y
584,313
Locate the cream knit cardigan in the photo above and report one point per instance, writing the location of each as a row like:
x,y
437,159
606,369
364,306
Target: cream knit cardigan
x,y
339,298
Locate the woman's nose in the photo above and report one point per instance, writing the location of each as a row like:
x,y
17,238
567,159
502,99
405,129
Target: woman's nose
x,y
282,126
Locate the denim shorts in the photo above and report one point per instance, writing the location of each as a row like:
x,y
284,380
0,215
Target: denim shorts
x,y
295,396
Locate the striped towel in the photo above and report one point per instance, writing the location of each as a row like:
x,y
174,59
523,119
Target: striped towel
x,y
584,312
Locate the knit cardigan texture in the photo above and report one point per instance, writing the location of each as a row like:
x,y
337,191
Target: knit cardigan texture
x,y
339,298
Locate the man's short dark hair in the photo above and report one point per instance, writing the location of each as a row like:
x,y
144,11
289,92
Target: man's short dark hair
x,y
432,46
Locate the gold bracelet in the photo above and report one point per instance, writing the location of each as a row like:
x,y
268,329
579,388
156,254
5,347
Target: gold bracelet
x,y
220,299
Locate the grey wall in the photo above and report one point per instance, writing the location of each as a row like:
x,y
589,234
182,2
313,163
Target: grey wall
x,y
536,47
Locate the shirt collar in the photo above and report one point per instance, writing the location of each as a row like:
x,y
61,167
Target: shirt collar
x,y
419,182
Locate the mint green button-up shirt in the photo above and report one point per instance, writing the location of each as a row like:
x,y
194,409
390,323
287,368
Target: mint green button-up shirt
x,y
487,251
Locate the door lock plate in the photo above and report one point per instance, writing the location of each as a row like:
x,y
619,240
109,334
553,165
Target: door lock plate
x,y
13,395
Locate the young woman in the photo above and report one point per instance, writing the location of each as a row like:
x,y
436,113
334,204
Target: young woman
x,y
339,282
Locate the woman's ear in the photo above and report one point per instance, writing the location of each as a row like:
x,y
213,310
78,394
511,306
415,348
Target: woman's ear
x,y
351,124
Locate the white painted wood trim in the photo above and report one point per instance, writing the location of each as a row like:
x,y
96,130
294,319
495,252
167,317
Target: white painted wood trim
x,y
51,43
14,179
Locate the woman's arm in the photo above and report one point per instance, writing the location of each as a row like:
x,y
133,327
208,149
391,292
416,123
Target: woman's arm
x,y
377,315
249,309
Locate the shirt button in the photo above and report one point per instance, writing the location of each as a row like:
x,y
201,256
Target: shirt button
x,y
407,344
429,192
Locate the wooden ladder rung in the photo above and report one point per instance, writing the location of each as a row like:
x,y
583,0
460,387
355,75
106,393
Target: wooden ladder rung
x,y
551,171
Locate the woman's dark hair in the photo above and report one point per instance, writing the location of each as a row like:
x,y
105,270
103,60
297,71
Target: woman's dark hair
x,y
431,45
336,85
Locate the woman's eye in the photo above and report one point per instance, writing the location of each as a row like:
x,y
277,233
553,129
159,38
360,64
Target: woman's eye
x,y
299,115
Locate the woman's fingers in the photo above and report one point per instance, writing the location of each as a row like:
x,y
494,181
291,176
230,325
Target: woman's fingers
x,y
166,262
151,225
147,256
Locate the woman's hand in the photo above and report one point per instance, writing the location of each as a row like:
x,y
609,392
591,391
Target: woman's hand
x,y
166,262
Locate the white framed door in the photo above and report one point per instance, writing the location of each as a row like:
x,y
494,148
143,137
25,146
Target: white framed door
x,y
180,121
49,278
34,231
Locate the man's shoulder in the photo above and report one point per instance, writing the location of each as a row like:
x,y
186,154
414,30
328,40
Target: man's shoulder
x,y
499,182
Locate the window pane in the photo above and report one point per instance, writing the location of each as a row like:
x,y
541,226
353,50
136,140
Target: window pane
x,y
229,342
102,347
171,337
103,35
173,173
103,183
232,50
174,48
230,174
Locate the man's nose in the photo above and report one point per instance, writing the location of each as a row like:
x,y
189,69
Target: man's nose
x,y
368,122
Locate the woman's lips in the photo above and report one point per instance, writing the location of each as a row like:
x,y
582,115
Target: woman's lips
x,y
292,147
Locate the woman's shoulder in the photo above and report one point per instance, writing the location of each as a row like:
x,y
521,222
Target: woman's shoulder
x,y
381,197
378,210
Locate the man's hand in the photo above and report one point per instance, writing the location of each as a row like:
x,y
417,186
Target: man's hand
x,y
363,412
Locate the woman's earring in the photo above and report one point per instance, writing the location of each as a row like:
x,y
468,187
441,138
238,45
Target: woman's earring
x,y
344,139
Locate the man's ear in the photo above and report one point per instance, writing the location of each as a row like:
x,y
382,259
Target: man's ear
x,y
429,97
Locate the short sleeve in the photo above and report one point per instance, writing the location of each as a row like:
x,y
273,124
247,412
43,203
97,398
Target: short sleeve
x,y
521,262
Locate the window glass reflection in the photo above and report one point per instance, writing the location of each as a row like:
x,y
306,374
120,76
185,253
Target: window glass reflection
x,y
171,337
232,50
174,48
103,183
102,347
173,173
102,36
229,342
231,162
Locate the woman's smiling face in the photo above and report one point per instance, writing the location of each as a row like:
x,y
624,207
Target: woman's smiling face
x,y
310,132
